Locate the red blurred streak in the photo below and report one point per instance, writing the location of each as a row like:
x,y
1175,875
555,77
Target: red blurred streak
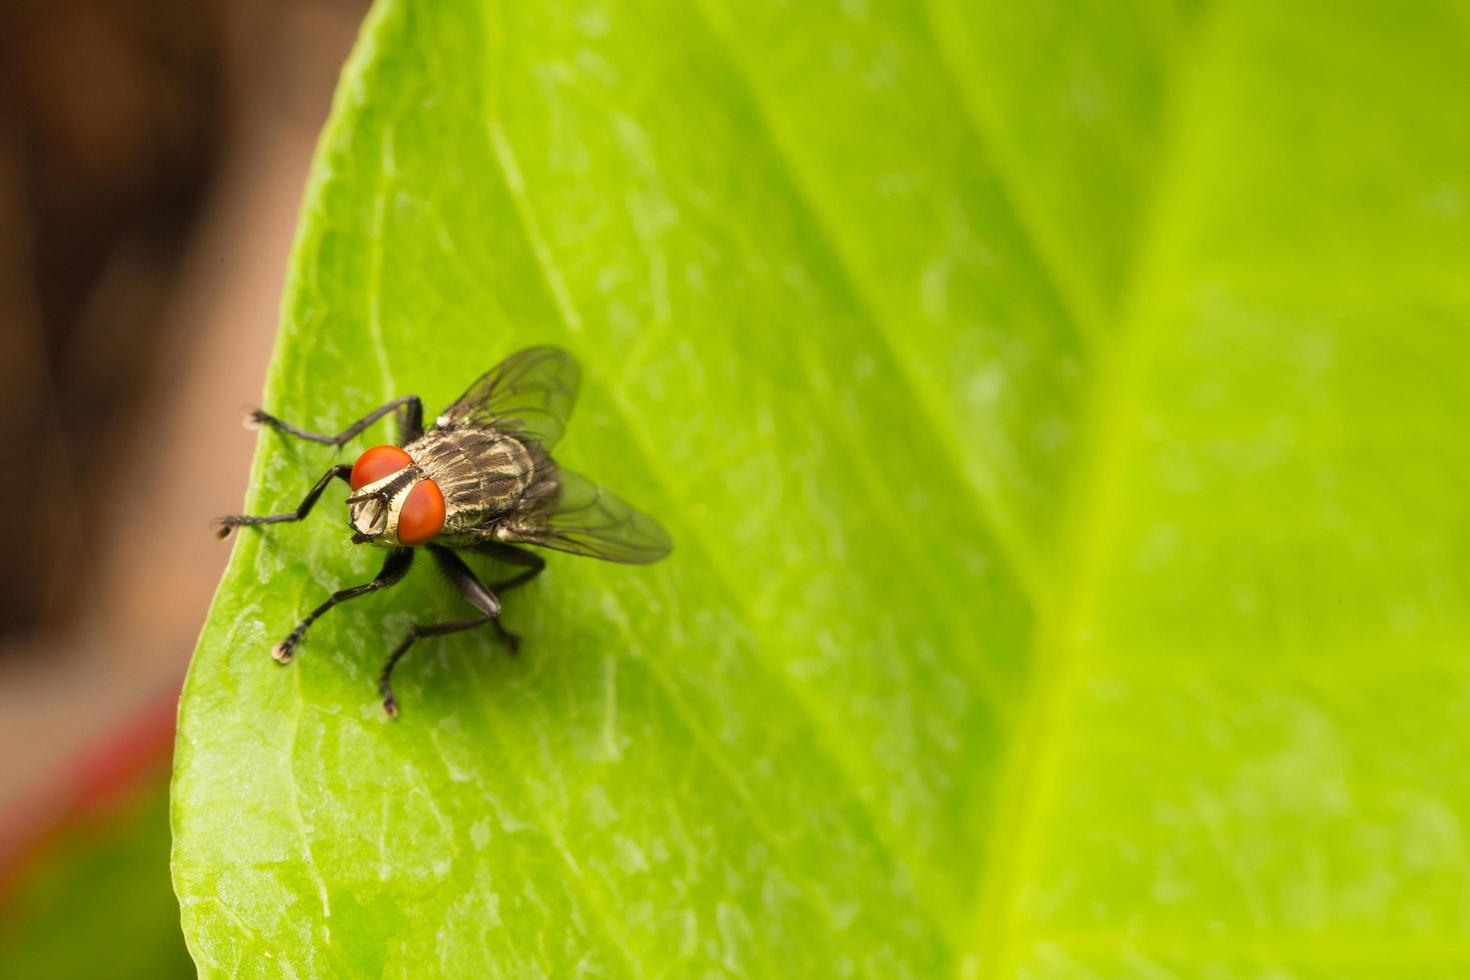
x,y
99,782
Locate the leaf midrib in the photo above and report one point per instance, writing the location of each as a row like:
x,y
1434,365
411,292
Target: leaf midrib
x,y
992,513
1030,782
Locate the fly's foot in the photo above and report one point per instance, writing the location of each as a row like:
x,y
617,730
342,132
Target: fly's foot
x,y
512,640
253,419
390,703
224,525
285,650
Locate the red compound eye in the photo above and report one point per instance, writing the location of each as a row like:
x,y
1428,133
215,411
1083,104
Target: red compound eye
x,y
376,463
423,513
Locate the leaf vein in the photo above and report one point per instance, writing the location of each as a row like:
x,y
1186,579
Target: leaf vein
x,y
702,738
1009,539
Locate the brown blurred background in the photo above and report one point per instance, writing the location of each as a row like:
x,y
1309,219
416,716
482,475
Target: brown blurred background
x,y
152,158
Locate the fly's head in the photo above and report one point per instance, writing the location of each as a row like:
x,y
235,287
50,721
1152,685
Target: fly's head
x,y
393,504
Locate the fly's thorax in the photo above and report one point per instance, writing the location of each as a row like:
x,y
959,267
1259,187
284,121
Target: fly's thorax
x,y
480,470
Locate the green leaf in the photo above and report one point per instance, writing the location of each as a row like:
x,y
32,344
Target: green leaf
x,y
1061,417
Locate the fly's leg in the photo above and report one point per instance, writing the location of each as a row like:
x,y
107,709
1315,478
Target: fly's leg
x,y
471,588
224,525
395,566
410,422
530,561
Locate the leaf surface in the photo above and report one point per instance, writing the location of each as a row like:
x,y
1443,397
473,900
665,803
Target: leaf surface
x,y
1061,420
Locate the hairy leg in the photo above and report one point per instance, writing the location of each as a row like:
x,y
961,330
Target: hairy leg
x,y
224,525
532,563
411,422
395,566
471,588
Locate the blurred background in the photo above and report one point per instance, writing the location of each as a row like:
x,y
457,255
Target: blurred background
x,y
152,159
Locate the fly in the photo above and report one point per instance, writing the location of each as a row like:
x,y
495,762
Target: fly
x,y
480,479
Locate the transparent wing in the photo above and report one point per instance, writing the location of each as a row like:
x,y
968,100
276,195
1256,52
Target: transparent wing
x,y
571,513
529,394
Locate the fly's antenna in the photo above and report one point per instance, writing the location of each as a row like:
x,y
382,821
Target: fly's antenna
x,y
390,490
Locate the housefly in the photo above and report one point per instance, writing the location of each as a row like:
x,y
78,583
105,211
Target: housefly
x,y
480,479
